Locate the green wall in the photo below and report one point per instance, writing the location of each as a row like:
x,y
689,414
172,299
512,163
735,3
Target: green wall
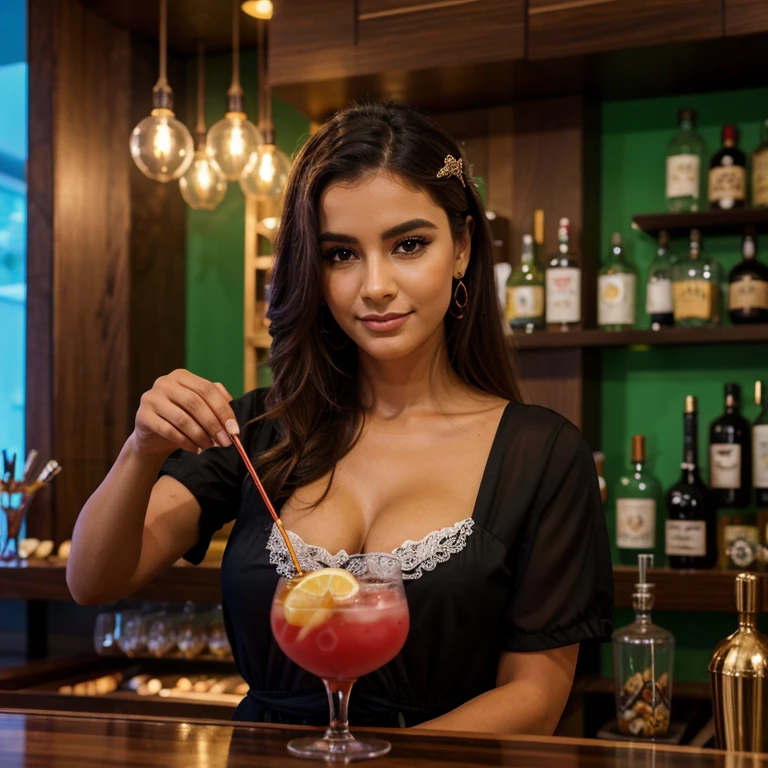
x,y
643,390
216,239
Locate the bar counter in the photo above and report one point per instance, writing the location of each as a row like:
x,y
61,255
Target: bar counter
x,y
39,740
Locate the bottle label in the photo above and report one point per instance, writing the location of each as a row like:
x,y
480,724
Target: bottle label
x,y
727,185
658,297
693,299
564,295
616,299
683,176
525,301
748,294
760,456
760,178
725,465
737,540
635,523
686,538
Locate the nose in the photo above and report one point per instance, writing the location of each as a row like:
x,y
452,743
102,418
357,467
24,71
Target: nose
x,y
379,280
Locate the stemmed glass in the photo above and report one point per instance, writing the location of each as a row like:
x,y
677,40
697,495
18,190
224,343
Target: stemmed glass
x,y
340,637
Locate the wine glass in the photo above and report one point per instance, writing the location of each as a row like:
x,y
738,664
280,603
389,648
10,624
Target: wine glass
x,y
341,624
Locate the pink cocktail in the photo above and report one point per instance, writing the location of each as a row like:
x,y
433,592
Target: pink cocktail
x,y
356,626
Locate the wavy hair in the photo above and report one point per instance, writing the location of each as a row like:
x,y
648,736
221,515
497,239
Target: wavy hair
x,y
315,394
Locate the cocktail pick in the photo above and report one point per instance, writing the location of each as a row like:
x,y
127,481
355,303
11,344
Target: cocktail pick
x,y
29,465
278,521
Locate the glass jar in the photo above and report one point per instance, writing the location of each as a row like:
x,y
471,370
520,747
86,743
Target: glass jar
x,y
643,657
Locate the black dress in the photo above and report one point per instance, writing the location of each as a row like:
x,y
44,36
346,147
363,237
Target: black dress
x,y
530,570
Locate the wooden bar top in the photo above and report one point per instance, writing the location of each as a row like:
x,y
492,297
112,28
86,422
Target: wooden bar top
x,y
40,740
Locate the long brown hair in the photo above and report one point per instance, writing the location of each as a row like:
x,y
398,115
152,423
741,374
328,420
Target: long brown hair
x,y
315,395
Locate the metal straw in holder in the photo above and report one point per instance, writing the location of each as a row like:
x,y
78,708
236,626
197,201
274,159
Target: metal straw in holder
x,y
16,497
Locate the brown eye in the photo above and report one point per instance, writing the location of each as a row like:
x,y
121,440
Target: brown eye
x,y
341,255
411,245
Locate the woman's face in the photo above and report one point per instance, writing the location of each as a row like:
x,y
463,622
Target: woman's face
x,y
389,259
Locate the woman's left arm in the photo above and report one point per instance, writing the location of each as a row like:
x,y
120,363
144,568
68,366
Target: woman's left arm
x,y
530,695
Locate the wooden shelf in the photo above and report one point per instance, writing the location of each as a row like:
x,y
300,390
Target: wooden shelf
x,y
46,580
263,263
726,334
260,339
675,590
712,590
708,222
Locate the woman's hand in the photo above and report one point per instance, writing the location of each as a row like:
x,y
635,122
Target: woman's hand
x,y
185,411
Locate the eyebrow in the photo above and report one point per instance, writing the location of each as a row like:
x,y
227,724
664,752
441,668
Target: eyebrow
x,y
398,229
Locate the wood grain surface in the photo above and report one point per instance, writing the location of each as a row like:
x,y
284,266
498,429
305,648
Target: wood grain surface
x,y
42,740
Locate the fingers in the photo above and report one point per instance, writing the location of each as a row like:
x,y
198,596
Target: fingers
x,y
216,398
185,424
160,426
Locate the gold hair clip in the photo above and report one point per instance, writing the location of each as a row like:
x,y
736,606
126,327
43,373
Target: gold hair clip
x,y
452,167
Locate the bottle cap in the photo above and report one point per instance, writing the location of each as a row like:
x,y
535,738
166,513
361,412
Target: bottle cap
x,y
730,133
538,226
748,247
746,593
758,393
616,239
686,113
690,404
643,597
638,448
663,238
733,389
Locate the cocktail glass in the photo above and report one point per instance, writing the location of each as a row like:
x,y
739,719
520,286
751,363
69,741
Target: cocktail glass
x,y
340,640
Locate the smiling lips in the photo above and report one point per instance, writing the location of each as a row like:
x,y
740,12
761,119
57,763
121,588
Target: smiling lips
x,y
387,322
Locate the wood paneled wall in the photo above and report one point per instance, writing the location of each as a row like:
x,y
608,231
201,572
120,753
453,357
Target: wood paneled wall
x,y
105,253
535,154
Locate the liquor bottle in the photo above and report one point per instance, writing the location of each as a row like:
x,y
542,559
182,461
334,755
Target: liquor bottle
x,y
696,287
728,174
684,164
748,293
738,539
538,236
643,660
738,673
760,170
563,284
760,451
691,531
525,291
616,290
599,458
637,498
658,293
730,454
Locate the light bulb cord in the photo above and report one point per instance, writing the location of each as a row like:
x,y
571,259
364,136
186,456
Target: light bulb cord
x,y
162,80
200,127
265,91
235,89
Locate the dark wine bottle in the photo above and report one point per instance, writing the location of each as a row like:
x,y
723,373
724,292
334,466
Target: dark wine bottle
x,y
728,174
748,291
730,454
691,531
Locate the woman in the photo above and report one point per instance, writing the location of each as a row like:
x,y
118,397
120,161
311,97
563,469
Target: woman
x,y
394,423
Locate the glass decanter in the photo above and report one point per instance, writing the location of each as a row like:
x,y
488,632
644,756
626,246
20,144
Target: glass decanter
x,y
643,655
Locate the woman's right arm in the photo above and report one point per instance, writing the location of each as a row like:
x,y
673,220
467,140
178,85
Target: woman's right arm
x,y
135,526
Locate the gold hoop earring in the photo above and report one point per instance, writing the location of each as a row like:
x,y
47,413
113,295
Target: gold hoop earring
x,y
456,307
329,333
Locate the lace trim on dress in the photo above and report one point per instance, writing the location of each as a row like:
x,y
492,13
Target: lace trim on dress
x,y
415,557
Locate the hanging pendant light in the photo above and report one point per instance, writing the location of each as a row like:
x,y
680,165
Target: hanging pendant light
x,y
234,141
160,145
204,185
266,175
259,9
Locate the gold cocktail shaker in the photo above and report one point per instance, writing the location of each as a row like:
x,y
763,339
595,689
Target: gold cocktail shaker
x,y
738,673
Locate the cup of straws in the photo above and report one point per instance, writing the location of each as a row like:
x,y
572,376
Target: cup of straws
x,y
16,497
